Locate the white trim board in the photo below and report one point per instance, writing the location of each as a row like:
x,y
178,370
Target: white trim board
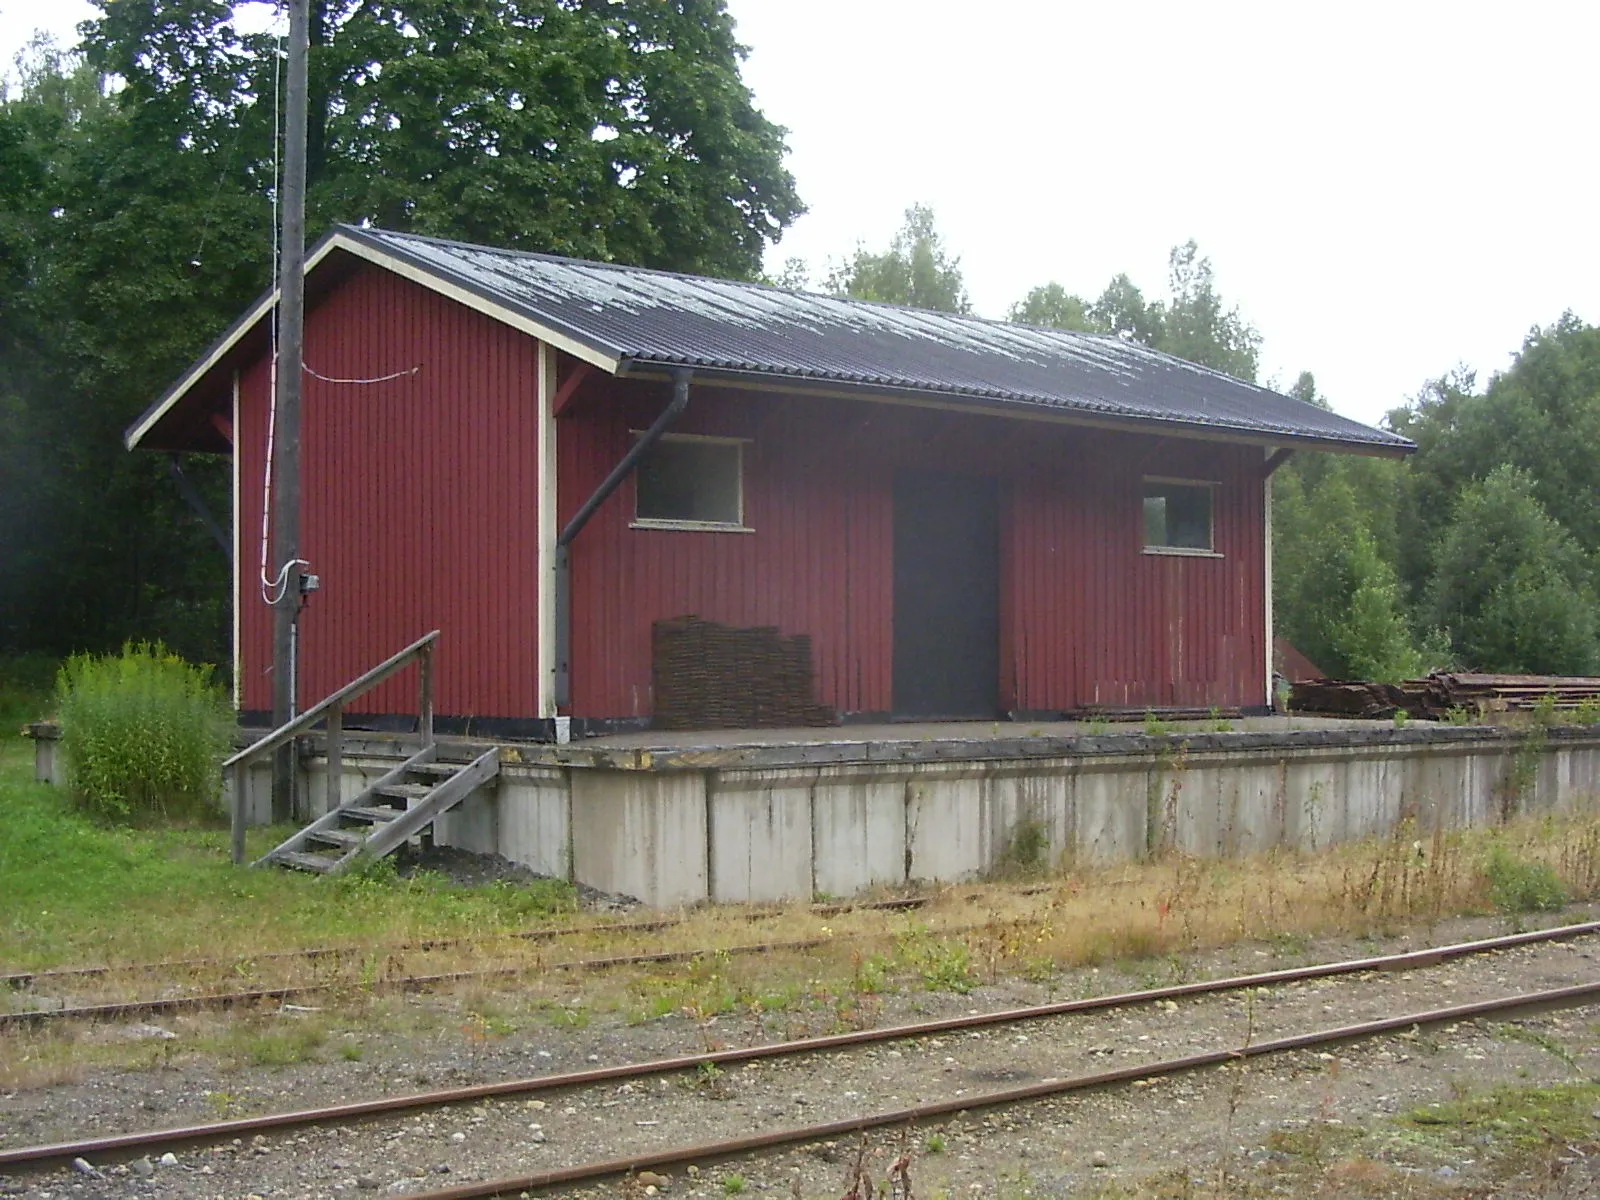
x,y
237,604
547,531
1266,540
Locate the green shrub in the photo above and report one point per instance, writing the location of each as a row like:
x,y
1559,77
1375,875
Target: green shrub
x,y
1519,886
944,963
1027,850
143,734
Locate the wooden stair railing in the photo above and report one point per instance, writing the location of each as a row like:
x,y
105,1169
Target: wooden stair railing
x,y
332,708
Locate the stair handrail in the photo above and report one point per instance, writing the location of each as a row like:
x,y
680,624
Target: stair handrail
x,y
331,707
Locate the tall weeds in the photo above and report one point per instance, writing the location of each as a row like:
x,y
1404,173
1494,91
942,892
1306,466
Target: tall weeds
x,y
143,734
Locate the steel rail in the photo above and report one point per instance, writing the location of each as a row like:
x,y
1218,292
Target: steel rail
x,y
405,983
22,979
1524,1004
221,1130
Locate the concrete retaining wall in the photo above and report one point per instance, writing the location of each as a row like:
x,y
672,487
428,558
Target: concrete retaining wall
x,y
672,832
777,822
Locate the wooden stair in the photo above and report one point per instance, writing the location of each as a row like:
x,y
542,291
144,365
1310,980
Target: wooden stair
x,y
393,808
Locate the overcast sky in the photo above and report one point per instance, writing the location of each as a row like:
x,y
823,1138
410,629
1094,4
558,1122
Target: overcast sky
x,y
1386,190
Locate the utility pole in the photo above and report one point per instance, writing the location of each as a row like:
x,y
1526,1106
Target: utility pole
x,y
286,446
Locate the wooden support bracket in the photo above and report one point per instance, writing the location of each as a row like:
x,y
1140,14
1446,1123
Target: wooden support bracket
x,y
1277,460
564,394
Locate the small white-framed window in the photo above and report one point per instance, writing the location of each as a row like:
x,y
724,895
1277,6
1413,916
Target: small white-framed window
x,y
691,481
1178,516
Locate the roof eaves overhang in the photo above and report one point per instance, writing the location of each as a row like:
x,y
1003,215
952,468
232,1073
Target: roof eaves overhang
x,y
1017,408
352,241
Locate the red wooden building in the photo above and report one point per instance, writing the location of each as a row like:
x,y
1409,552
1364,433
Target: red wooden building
x,y
966,518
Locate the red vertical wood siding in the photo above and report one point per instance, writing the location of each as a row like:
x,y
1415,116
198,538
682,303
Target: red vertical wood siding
x,y
421,503
420,498
1087,618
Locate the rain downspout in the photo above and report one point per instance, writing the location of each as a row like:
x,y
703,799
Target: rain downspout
x,y
680,400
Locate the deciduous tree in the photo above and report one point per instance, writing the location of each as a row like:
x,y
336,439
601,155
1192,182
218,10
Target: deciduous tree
x,y
1053,307
1334,595
1511,585
1193,323
136,222
915,270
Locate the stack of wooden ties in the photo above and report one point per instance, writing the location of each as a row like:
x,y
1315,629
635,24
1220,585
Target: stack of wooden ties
x,y
712,676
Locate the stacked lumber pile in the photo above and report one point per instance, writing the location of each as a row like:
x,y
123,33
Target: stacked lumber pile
x,y
1444,694
711,676
1508,693
1327,697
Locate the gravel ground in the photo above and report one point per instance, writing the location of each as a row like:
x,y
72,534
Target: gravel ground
x,y
1186,1127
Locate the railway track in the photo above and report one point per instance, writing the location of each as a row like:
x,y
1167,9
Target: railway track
x,y
404,983
29,979
288,993
1523,1004
1519,1004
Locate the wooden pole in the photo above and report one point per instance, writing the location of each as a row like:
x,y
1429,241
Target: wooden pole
x,y
286,446
241,808
335,757
425,696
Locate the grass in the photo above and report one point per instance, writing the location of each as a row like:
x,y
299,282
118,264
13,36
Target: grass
x,y
81,892
1515,1134
1515,1141
78,892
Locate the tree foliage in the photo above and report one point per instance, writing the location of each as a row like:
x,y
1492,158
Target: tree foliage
x,y
1511,585
915,270
1053,307
136,222
1193,323
1541,415
618,131
1335,595
1197,326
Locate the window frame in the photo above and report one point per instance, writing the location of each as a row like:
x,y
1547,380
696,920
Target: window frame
x,y
1211,551
688,526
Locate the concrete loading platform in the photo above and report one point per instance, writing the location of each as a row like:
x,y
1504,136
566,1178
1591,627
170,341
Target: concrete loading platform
x,y
760,815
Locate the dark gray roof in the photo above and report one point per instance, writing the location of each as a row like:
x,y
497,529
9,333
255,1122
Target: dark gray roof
x,y
657,318
630,319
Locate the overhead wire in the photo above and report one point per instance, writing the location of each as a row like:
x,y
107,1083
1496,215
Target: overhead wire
x,y
378,379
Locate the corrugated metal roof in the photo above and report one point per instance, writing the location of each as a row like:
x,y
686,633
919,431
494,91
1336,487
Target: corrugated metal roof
x,y
658,318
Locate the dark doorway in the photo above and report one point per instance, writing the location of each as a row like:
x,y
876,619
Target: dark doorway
x,y
946,596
